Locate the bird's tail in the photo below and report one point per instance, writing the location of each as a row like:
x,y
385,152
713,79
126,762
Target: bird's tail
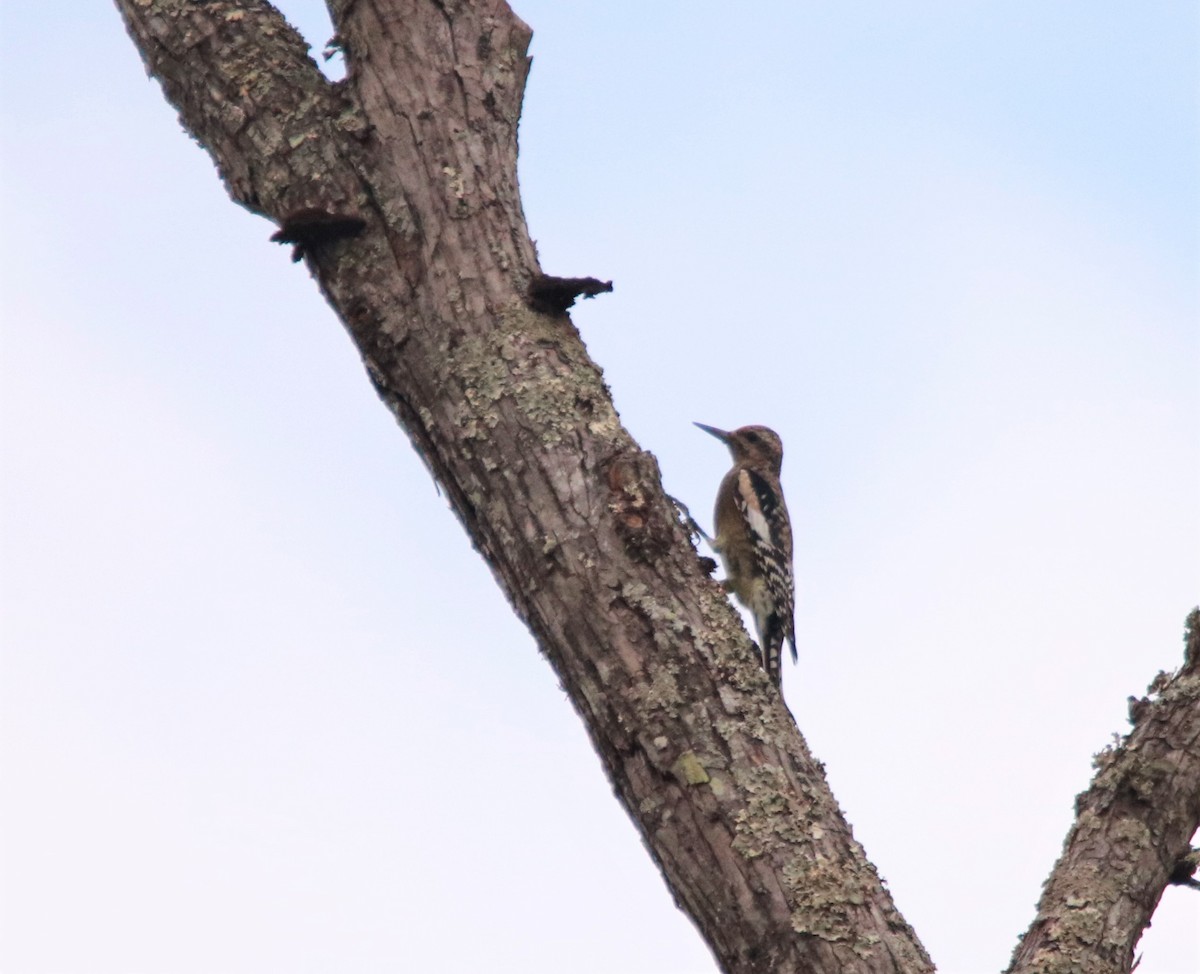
x,y
772,650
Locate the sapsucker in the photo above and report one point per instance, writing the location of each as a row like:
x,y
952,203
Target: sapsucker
x,y
754,538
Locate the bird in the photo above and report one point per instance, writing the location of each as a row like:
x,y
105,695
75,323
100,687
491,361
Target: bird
x,y
754,539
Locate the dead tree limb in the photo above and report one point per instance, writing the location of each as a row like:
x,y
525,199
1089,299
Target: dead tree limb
x,y
417,151
1132,828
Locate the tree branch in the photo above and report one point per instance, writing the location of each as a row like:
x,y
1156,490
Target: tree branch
x,y
1132,827
245,87
513,418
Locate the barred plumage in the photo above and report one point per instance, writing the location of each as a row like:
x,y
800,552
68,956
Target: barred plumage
x,y
754,538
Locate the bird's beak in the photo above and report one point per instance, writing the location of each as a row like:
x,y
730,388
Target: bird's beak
x,y
719,434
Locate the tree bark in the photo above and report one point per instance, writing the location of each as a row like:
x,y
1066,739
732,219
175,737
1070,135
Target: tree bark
x,y
1132,826
399,188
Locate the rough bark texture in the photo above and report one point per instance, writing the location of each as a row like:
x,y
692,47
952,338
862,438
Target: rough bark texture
x,y
414,158
515,422
1132,826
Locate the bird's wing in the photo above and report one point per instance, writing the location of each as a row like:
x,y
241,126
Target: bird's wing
x,y
760,506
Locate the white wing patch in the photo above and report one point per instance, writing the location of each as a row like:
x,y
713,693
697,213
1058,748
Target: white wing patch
x,y
752,509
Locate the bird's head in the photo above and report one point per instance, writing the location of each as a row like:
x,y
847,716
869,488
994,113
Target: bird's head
x,y
751,445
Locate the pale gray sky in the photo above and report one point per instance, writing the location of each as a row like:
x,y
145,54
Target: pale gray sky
x,y
263,708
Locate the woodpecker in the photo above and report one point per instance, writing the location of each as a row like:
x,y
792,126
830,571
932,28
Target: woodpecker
x,y
754,538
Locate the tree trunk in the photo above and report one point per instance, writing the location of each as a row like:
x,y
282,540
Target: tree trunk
x,y
398,188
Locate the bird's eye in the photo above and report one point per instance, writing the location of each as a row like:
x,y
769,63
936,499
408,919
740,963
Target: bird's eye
x,y
752,437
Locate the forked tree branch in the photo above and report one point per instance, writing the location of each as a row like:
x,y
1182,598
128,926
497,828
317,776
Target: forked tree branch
x,y
513,419
399,189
